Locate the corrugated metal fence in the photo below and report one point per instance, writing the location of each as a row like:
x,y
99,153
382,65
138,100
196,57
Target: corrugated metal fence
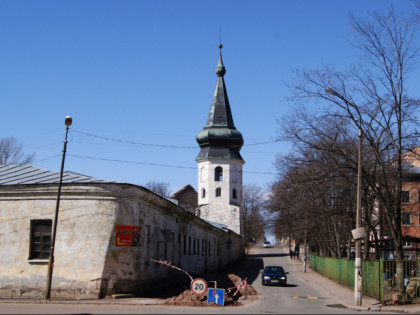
x,y
378,276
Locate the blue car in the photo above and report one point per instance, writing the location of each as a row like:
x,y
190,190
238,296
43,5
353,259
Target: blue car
x,y
274,275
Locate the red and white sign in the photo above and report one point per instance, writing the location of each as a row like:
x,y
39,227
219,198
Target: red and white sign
x,y
126,235
199,286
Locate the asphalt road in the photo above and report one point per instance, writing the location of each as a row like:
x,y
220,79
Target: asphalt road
x,y
298,297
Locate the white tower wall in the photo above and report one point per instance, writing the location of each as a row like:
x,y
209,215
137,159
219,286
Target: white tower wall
x,y
226,208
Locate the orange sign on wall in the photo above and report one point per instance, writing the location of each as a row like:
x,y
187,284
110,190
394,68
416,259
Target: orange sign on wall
x,y
127,235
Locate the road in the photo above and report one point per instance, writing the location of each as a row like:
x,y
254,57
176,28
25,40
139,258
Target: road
x,y
298,297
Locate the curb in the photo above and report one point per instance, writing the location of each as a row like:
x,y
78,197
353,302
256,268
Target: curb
x,y
376,309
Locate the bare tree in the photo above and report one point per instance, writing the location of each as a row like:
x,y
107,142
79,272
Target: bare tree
x,y
370,97
159,188
311,200
253,206
11,152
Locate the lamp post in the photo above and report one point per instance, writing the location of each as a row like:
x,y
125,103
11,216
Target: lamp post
x,y
358,292
67,122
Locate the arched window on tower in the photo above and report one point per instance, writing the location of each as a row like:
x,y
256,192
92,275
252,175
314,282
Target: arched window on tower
x,y
203,193
218,192
218,174
234,195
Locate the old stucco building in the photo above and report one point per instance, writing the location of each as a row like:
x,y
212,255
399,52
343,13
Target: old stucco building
x,y
107,234
110,234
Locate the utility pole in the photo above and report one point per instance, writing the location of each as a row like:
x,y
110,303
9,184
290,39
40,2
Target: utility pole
x,y
358,292
67,122
358,289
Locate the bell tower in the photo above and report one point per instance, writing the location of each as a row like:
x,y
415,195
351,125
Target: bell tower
x,y
220,162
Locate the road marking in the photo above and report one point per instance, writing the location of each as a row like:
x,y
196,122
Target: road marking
x,y
306,297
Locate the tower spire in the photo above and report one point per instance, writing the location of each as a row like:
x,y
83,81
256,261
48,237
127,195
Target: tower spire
x,y
219,137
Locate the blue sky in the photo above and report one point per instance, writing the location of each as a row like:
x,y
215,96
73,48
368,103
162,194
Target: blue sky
x,y
143,74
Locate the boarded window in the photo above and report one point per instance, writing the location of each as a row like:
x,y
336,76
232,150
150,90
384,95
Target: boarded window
x,y
40,239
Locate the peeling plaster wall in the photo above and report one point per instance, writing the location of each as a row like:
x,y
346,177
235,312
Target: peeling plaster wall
x,y
87,261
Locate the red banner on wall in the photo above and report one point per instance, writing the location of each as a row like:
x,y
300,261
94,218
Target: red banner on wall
x,y
127,235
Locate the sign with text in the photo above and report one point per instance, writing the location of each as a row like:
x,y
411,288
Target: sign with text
x,y
127,235
198,286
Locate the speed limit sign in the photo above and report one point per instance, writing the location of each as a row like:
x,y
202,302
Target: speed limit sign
x,y
199,286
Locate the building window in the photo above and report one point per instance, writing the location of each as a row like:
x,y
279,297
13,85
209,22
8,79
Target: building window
x,y
406,243
189,245
405,196
218,192
203,193
406,218
234,196
185,244
218,174
40,239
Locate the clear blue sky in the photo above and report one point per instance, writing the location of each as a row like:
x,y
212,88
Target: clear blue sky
x,y
144,72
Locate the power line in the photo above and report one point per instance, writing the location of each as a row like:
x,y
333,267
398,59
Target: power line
x,y
159,145
133,142
152,164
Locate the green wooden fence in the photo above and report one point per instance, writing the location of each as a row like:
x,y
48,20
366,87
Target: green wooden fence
x,y
342,271
378,276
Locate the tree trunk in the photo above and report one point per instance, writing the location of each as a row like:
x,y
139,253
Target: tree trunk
x,y
337,241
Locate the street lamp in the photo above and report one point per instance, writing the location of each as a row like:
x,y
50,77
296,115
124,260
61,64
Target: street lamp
x,y
67,122
357,239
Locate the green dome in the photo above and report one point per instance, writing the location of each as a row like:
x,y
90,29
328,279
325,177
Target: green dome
x,y
220,137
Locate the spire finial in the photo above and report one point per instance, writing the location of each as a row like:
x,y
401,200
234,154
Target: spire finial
x,y
220,39
220,69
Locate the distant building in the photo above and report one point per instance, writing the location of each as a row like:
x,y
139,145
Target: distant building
x,y
410,212
186,198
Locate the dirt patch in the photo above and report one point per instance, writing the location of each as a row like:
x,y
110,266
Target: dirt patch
x,y
236,291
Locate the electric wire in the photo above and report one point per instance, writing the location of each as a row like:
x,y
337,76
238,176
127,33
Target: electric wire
x,y
160,145
152,164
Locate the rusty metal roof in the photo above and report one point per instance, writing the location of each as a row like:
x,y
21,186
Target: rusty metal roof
x,y
23,174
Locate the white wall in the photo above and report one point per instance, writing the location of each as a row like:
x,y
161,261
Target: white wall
x,y
87,261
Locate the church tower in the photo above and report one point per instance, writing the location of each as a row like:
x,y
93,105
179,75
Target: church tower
x,y
220,162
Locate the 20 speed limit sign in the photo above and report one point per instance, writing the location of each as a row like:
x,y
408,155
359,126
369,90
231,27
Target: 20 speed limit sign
x,y
199,286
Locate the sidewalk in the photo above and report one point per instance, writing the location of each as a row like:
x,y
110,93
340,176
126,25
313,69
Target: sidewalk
x,y
343,295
